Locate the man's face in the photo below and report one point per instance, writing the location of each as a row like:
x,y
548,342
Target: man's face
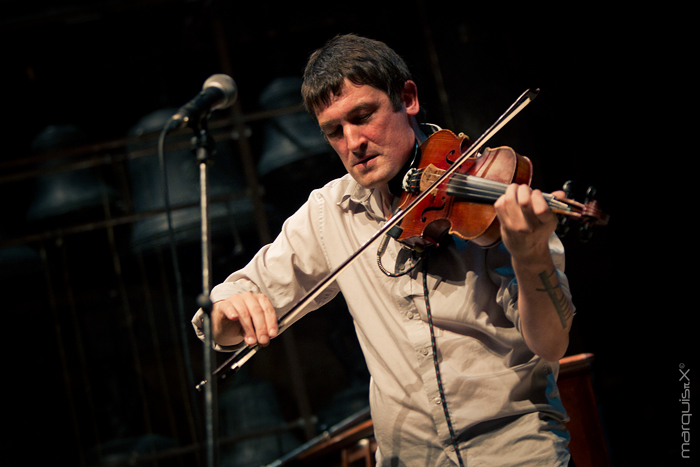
x,y
371,138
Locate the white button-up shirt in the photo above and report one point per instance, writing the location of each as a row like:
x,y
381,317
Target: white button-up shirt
x,y
488,373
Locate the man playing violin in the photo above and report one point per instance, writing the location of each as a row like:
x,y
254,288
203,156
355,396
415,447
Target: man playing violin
x,y
462,342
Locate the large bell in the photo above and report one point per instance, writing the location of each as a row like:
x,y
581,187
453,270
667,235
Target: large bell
x,y
289,137
63,190
229,209
259,413
18,261
295,157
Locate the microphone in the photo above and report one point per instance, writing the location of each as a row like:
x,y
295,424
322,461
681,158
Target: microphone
x,y
219,92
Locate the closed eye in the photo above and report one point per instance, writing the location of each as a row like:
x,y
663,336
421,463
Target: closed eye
x,y
333,134
363,118
360,115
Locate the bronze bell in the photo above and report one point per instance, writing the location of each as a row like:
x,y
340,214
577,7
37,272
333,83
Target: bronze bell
x,y
291,136
295,156
229,208
64,190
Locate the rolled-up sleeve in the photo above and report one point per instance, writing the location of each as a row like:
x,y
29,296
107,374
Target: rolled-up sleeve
x,y
284,270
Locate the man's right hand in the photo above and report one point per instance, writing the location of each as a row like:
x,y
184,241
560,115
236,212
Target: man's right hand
x,y
246,316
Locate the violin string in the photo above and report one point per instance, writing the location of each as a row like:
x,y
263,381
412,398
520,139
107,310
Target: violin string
x,y
483,189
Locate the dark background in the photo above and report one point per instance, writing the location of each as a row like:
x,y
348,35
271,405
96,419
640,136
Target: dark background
x,y
98,362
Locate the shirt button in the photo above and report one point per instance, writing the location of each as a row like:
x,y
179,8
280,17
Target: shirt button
x,y
409,315
425,351
438,401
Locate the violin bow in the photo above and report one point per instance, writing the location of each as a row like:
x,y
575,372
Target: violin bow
x,y
243,355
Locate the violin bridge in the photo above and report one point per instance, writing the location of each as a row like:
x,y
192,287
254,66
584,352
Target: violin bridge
x,y
429,175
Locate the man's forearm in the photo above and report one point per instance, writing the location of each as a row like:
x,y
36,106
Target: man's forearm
x,y
546,311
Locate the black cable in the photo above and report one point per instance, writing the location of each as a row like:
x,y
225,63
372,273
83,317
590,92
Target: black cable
x,y
176,272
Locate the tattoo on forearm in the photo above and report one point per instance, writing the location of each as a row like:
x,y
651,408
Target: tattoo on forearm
x,y
561,303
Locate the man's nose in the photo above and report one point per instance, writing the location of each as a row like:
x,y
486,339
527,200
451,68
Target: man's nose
x,y
354,138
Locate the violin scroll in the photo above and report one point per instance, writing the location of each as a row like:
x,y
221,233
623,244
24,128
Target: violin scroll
x,y
587,213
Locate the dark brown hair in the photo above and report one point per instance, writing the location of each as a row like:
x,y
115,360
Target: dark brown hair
x,y
362,61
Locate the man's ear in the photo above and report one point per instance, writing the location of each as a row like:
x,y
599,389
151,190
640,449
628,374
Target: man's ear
x,y
409,97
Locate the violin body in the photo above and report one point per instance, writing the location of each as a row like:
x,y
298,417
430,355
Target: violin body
x,y
443,212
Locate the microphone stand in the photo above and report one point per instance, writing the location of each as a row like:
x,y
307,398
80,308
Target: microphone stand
x,y
203,147
193,115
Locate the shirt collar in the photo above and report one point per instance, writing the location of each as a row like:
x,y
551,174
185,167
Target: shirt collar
x,y
355,194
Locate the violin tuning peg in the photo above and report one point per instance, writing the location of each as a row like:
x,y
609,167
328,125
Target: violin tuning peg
x,y
568,188
590,194
562,227
585,232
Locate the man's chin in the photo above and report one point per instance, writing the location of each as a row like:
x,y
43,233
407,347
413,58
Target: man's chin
x,y
371,180
369,184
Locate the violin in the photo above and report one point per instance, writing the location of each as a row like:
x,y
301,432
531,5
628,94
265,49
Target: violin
x,y
462,204
446,194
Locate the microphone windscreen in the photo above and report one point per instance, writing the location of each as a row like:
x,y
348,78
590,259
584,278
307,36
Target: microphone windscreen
x,y
226,84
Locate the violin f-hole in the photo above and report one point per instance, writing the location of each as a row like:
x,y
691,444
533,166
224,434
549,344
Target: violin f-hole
x,y
432,208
